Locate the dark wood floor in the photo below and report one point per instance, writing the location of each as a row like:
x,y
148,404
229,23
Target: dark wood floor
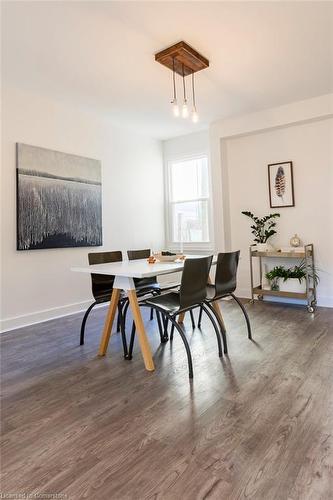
x,y
256,425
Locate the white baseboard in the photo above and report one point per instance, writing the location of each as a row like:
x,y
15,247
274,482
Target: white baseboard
x,y
45,315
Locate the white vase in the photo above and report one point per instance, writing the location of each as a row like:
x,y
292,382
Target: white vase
x,y
292,285
262,247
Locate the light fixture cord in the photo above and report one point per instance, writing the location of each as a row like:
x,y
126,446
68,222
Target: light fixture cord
x,y
174,79
184,87
193,92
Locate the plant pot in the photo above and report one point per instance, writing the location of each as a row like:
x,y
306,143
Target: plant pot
x,y
262,247
292,285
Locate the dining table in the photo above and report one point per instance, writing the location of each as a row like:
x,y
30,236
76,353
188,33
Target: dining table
x,y
124,273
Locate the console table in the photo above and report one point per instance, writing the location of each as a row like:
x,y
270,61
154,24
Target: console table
x,y
309,296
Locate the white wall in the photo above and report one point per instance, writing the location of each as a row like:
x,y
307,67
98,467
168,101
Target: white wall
x,y
186,145
242,147
38,284
246,159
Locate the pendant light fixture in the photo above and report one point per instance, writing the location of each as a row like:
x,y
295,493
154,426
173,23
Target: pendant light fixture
x,y
185,107
185,61
175,107
195,116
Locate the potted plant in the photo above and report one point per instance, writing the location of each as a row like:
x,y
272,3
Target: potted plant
x,y
262,229
292,279
295,279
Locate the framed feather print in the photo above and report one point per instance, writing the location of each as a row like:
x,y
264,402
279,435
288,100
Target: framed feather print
x,y
281,184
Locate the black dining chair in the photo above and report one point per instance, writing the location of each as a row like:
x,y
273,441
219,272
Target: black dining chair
x,y
144,284
224,286
191,294
152,282
102,288
149,286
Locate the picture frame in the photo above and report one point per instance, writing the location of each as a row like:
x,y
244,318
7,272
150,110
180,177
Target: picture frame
x,y
58,199
281,184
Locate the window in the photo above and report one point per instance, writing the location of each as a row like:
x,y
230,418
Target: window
x,y
189,203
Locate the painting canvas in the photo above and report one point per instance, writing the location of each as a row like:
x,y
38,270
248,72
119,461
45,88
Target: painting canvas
x,y
281,185
59,199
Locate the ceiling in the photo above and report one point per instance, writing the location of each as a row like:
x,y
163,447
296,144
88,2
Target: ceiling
x,y
100,55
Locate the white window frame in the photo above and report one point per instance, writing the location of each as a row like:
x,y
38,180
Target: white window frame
x,y
192,247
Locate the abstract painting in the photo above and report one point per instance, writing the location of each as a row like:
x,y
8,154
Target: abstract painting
x,y
59,199
281,184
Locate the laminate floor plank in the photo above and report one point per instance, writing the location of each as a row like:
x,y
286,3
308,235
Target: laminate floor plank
x,y
257,424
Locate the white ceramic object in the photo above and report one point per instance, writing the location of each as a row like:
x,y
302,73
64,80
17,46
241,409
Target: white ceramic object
x,y
262,247
292,285
168,258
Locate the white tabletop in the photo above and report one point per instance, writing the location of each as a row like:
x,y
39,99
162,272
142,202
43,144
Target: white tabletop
x,y
136,268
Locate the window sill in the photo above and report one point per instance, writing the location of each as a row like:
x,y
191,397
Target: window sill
x,y
192,247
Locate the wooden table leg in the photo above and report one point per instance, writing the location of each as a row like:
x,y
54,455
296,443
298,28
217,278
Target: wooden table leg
x,y
181,318
109,322
218,312
144,344
217,307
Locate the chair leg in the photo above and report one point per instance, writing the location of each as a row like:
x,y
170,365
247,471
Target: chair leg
x,y
120,310
187,347
83,324
221,325
192,319
124,312
249,333
165,325
172,331
129,354
200,317
161,327
123,332
218,336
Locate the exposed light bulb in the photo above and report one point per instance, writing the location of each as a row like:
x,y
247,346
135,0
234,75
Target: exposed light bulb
x,y
175,107
195,116
185,109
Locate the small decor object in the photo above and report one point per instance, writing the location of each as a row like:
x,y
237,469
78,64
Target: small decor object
x,y
59,199
281,185
273,277
169,257
290,249
295,241
262,228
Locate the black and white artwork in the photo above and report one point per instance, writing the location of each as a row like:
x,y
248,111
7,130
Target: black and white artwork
x,y
59,199
281,185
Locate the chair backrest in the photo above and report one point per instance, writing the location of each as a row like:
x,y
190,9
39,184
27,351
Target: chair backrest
x,y
194,281
102,284
138,254
226,272
141,254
